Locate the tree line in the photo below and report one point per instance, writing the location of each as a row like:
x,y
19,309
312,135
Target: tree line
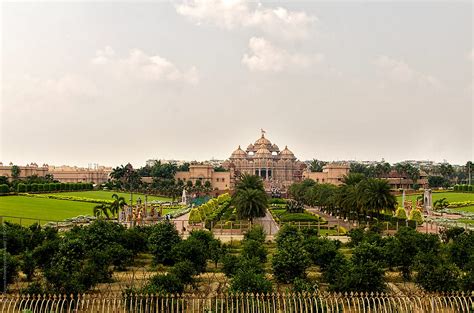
x,y
356,199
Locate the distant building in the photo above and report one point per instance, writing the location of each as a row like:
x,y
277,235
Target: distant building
x,y
64,174
205,172
74,174
402,181
333,173
278,169
25,171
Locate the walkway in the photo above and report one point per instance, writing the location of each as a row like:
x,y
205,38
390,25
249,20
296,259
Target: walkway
x,y
182,223
332,220
268,223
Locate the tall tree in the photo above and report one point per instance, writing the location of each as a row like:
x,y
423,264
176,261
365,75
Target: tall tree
x,y
317,165
250,198
15,171
377,196
117,204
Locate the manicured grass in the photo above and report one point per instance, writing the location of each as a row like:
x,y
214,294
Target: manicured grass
x,y
450,197
37,208
465,209
107,195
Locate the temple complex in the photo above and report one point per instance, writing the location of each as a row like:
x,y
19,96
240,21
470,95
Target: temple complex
x,y
278,168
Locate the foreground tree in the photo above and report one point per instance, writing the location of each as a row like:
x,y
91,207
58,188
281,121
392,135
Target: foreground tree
x,y
250,198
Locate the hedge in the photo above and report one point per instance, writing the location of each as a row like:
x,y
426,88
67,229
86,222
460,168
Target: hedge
x,y
47,187
4,189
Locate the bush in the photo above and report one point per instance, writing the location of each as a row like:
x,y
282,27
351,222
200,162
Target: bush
x,y
4,189
193,250
321,251
21,187
294,206
256,233
290,260
185,271
435,274
230,264
164,283
250,282
40,188
27,265
415,215
401,213
163,237
304,286
9,270
254,249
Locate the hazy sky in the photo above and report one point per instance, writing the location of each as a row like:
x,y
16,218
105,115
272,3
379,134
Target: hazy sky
x,y
107,83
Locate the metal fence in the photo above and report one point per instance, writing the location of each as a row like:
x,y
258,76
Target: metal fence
x,y
275,302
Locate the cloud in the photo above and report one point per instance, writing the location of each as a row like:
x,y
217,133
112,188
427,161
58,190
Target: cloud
x,y
231,14
139,65
399,71
103,56
264,56
51,95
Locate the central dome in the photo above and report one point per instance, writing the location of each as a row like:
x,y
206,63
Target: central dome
x,y
263,142
263,153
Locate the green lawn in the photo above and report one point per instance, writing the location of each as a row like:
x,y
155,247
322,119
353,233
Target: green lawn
x,y
107,195
38,208
450,196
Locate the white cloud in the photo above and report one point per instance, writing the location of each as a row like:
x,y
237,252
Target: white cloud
x,y
278,22
139,65
51,95
400,71
102,56
264,56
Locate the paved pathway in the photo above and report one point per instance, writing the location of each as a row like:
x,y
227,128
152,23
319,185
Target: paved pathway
x,y
332,220
182,224
268,223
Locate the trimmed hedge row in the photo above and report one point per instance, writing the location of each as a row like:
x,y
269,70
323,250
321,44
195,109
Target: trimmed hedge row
x,y
465,188
53,187
4,189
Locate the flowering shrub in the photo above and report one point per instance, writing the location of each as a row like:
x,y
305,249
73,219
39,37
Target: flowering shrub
x,y
415,215
401,213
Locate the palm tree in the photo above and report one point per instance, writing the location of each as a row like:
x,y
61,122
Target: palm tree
x,y
101,210
117,204
247,181
377,196
441,204
250,203
353,179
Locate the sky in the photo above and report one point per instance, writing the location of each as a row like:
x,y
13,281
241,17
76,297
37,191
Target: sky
x,y
117,82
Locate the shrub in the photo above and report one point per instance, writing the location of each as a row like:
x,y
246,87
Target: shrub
x,y
254,249
192,250
40,188
163,237
290,260
294,206
9,269
304,286
435,274
4,189
415,215
52,187
34,187
250,282
21,187
184,271
164,283
256,233
401,213
321,251
229,264
27,265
